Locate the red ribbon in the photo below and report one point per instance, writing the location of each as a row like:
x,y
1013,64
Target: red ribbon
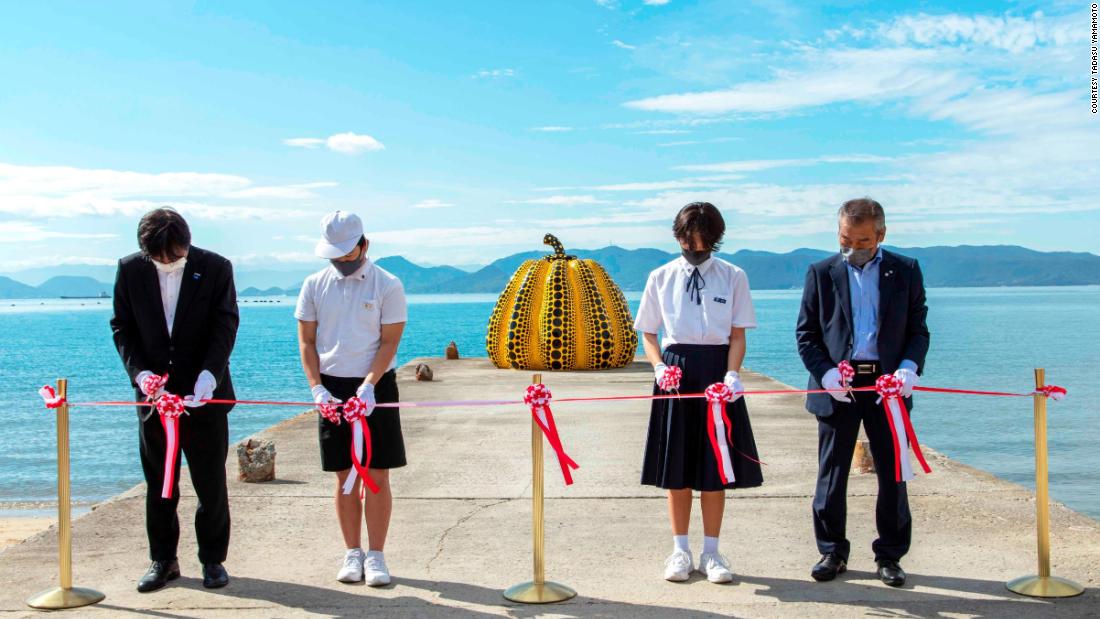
x,y
538,398
1054,392
670,379
152,385
50,397
718,395
889,389
355,412
170,407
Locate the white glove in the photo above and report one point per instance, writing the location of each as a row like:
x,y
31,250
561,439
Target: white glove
x,y
204,390
322,396
909,379
831,381
733,381
140,380
365,392
659,371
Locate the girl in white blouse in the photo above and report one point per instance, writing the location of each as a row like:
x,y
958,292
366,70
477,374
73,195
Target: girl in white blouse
x,y
703,306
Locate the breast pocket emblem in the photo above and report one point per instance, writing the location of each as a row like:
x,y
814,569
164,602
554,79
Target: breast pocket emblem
x,y
368,306
719,299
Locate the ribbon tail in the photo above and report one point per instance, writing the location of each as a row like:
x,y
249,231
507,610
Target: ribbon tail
x,y
358,436
545,419
721,450
912,434
901,455
171,453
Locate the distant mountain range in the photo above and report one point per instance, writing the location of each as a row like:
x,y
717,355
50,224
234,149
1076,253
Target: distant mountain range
x,y
962,266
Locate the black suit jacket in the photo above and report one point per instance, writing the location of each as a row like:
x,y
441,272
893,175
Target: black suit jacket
x,y
203,333
824,329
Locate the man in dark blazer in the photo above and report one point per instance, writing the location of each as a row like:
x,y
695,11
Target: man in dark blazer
x,y
865,305
175,313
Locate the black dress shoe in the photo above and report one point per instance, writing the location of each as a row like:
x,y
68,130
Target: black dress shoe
x,y
828,567
214,576
160,572
890,572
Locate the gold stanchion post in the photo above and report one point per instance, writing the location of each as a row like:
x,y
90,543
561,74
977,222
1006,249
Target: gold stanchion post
x,y
538,591
65,596
1043,585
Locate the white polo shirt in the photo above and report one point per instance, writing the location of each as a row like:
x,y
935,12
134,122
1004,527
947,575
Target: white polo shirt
x,y
666,304
349,312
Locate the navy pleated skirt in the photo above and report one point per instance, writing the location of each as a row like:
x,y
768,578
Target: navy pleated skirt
x,y
678,453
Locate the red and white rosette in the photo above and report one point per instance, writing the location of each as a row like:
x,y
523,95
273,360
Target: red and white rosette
x,y
670,379
847,374
889,389
170,407
50,397
153,384
1054,392
538,398
355,413
331,412
719,429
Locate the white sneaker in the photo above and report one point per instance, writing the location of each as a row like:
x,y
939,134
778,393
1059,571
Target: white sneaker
x,y
678,566
353,566
374,569
715,567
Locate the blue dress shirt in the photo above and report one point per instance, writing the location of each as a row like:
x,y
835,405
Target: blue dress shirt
x,y
863,286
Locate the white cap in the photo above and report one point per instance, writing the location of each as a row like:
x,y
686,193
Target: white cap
x,y
340,232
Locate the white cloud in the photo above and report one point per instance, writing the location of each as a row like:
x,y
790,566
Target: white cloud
x,y
561,200
656,2
352,143
27,232
39,260
756,165
552,129
621,45
1010,33
65,192
697,142
494,73
287,192
304,142
661,132
432,203
347,143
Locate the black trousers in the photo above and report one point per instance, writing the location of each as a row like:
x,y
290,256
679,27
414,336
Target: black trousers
x,y
836,442
204,439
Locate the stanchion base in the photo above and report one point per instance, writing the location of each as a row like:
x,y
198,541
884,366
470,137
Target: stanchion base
x,y
1044,587
532,593
58,598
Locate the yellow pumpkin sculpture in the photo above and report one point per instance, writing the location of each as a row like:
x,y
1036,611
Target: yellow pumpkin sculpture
x,y
561,313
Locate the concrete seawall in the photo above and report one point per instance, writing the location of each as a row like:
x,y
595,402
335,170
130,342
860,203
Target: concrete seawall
x,y
461,527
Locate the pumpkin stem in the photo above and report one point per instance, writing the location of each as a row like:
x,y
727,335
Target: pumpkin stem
x,y
553,241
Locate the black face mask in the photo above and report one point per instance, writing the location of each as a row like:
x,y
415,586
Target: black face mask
x,y
695,257
351,266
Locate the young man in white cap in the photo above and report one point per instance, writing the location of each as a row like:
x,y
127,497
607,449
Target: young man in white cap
x,y
350,318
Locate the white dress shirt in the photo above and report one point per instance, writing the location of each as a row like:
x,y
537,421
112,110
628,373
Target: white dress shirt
x,y
170,294
349,312
724,298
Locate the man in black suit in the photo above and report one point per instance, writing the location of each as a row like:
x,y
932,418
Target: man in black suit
x,y
175,313
865,305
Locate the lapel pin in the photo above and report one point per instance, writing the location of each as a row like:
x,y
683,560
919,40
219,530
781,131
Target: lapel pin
x,y
369,305
196,276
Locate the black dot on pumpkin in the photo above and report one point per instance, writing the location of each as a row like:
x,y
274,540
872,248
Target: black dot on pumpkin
x,y
555,365
555,354
556,343
605,356
605,333
556,333
557,322
557,312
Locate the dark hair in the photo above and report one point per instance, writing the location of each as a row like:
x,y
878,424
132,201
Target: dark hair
x,y
702,218
863,209
163,233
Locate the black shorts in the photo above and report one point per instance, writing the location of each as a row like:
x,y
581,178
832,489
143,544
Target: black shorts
x,y
387,443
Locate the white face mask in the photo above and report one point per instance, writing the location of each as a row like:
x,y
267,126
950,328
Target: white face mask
x,y
171,267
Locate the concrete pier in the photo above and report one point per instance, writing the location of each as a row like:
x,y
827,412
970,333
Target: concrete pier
x,y
461,525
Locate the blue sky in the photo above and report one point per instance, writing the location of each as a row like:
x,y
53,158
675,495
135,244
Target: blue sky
x,y
464,132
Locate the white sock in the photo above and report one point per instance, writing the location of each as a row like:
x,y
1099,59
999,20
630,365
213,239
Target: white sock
x,y
710,544
375,553
356,549
680,542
